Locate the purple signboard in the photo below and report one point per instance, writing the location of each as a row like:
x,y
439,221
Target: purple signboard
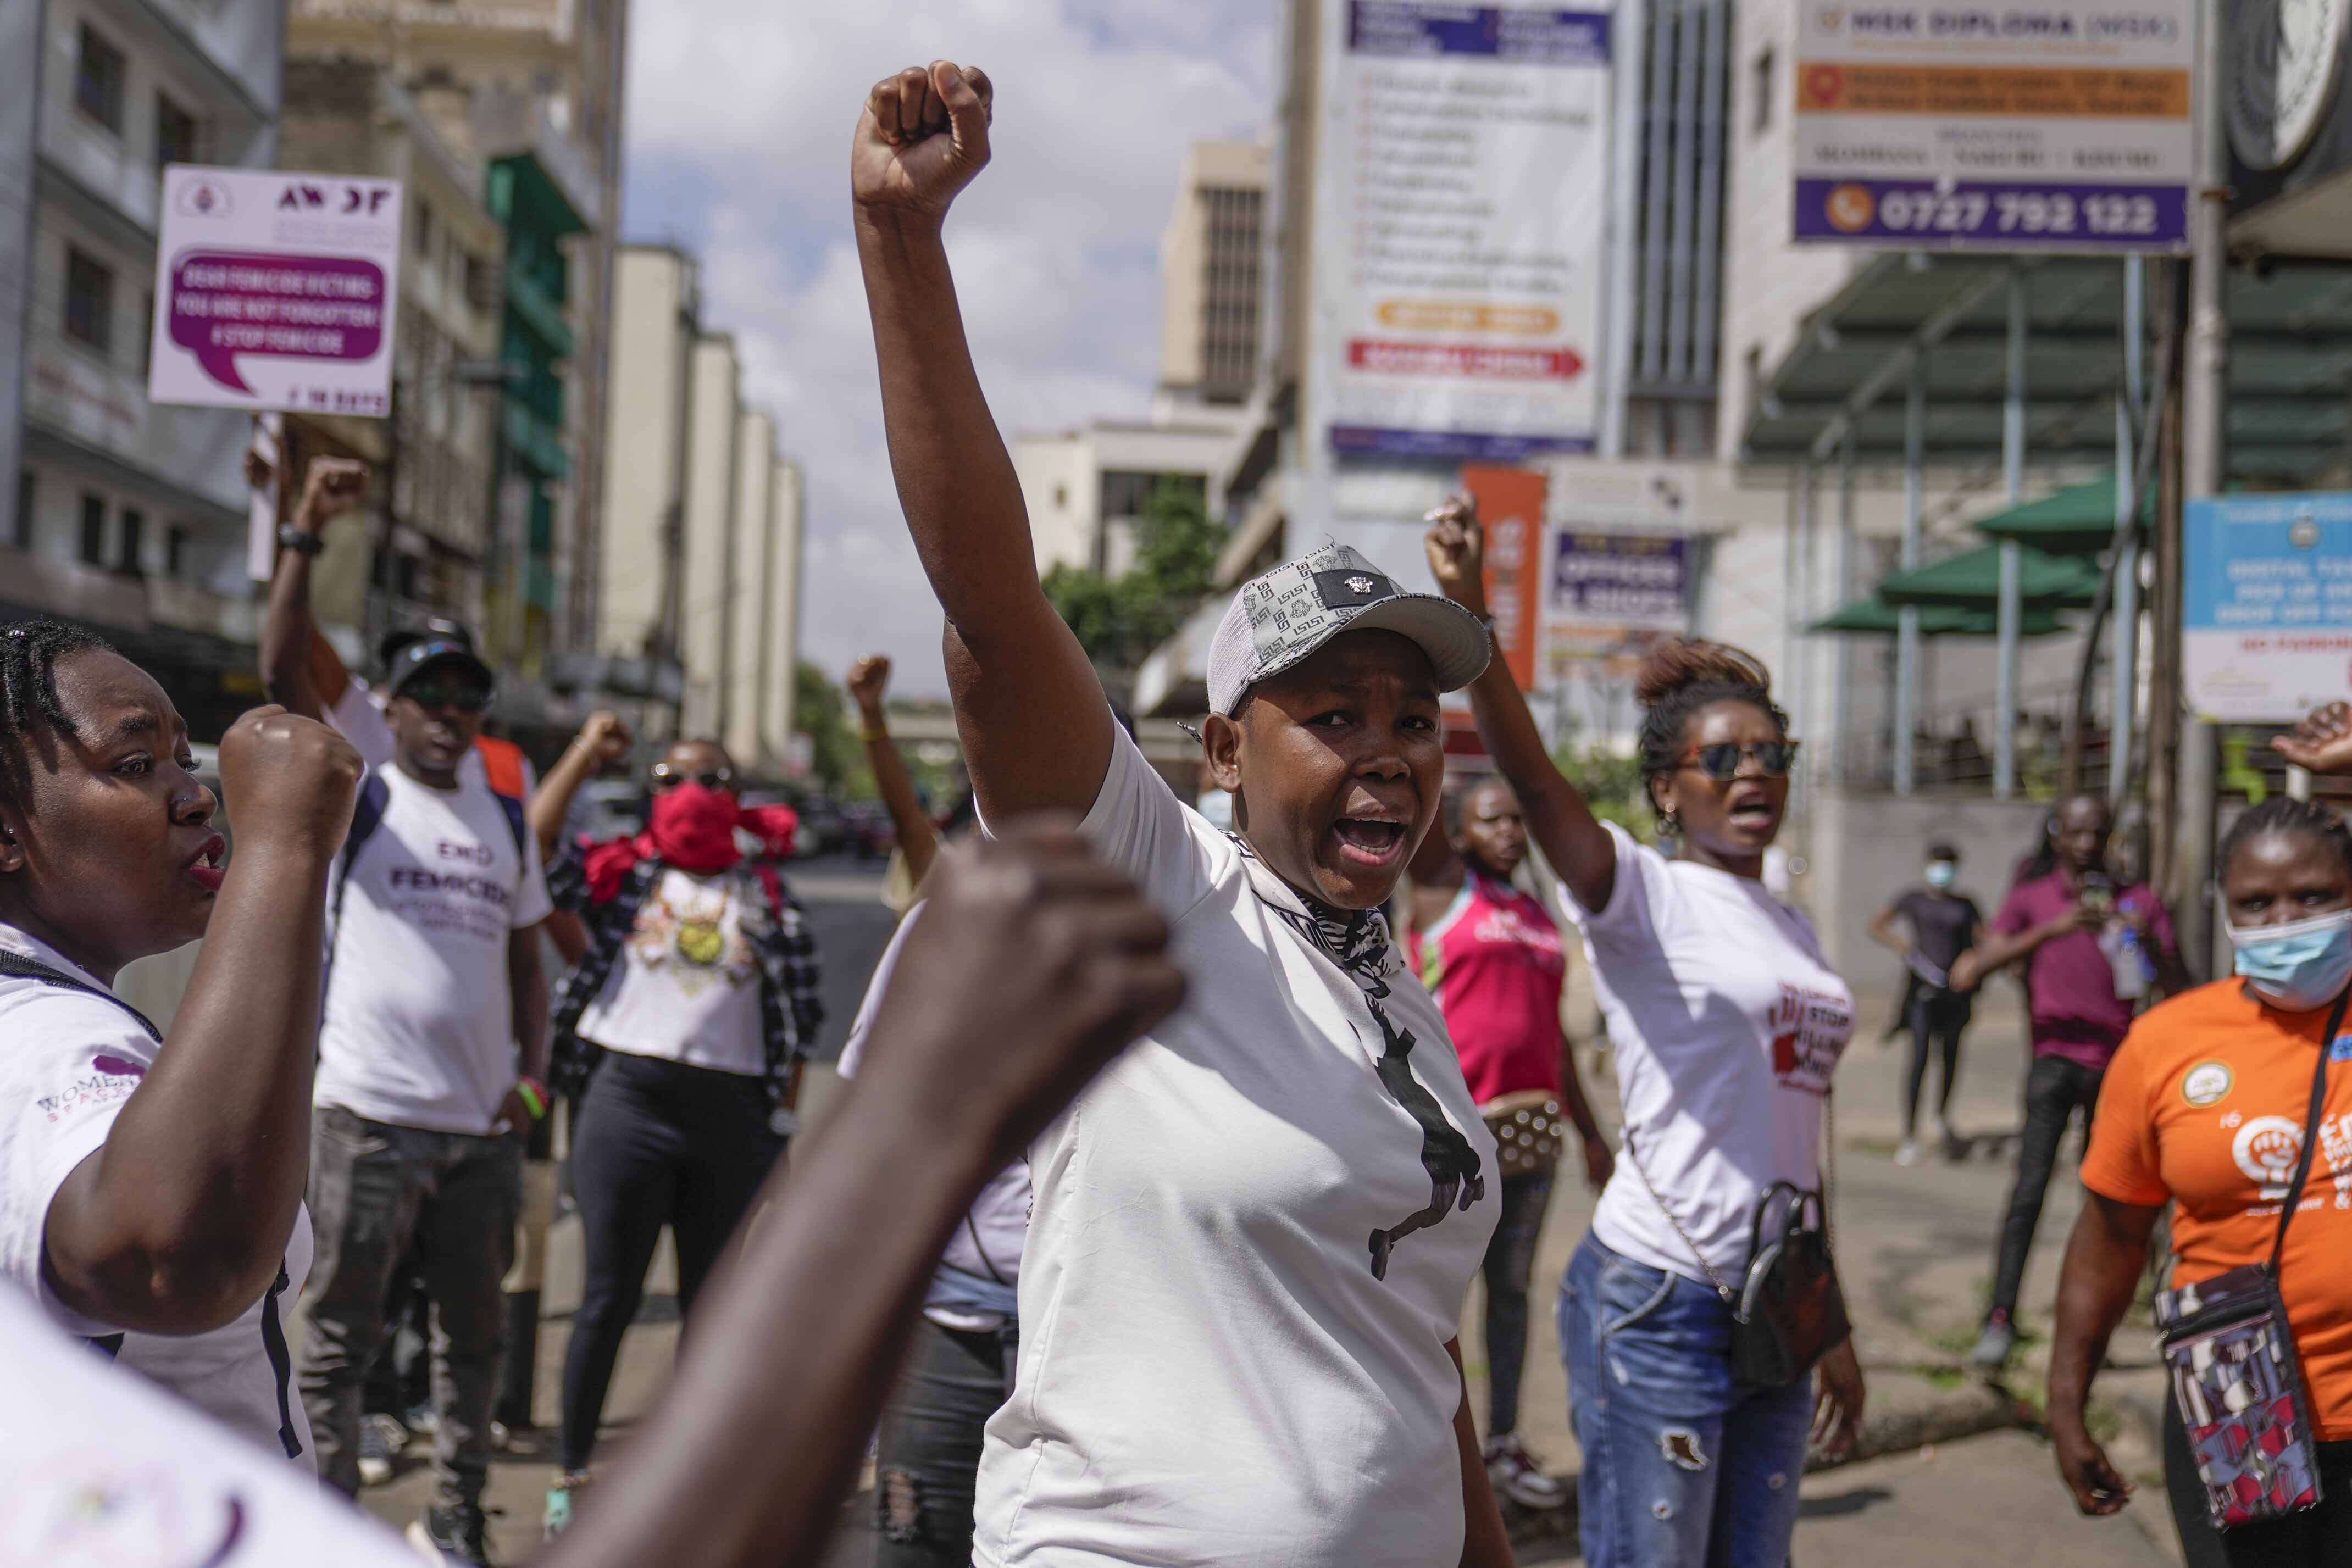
x,y
1986,216
224,303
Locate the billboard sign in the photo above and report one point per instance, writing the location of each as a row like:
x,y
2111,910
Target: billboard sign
x,y
1611,597
2266,606
276,290
2059,126
1511,505
1458,254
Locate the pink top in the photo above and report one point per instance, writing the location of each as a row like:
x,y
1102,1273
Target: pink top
x,y
2070,986
1495,963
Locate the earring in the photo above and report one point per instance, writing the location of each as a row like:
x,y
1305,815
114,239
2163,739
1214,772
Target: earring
x,y
1670,823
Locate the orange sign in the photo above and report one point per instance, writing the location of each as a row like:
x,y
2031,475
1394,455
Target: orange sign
x,y
1511,506
2013,91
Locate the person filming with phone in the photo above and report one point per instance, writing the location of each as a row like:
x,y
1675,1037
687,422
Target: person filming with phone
x,y
2092,953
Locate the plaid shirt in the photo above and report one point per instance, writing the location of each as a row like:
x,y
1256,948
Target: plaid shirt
x,y
790,1007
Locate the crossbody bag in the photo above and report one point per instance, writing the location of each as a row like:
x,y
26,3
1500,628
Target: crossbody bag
x,y
2236,1378
1789,1310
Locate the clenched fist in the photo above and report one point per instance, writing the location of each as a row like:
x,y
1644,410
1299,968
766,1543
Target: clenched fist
x,y
2322,742
289,781
922,138
1457,553
605,736
331,487
1032,963
868,683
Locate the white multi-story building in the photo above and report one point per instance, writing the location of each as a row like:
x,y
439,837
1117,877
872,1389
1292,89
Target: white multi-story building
x,y
126,515
1213,275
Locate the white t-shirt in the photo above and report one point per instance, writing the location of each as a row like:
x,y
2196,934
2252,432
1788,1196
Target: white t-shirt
x,y
416,1031
997,1225
1728,1025
688,984
1211,1373
70,1062
103,1470
358,717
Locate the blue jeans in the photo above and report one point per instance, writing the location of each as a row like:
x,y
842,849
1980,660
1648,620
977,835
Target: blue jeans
x,y
1682,1470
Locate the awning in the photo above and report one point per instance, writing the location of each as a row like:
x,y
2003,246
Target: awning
x,y
2078,521
1972,581
1874,617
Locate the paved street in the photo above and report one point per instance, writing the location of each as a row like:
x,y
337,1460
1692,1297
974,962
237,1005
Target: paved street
x,y
1914,1247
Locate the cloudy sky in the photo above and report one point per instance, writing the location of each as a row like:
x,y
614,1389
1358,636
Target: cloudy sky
x,y
739,115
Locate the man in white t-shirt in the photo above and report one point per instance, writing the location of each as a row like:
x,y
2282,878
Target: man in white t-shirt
x,y
432,977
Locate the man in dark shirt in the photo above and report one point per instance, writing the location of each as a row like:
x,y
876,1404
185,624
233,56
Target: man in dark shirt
x,y
1943,925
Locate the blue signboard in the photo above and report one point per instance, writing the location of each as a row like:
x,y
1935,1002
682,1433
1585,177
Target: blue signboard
x,y
2266,605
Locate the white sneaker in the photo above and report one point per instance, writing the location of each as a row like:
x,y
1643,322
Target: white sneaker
x,y
381,1439
1906,1153
1513,1473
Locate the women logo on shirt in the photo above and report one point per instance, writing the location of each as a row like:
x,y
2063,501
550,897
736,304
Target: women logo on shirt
x,y
2208,1084
2266,1148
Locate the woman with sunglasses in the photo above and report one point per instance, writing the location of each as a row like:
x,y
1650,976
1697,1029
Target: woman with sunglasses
x,y
1727,1024
680,1030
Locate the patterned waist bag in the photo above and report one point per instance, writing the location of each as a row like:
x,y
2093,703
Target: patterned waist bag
x,y
2236,1378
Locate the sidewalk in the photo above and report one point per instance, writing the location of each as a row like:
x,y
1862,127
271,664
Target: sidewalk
x,y
1915,1248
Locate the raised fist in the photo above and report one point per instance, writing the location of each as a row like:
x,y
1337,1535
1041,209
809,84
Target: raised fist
x,y
332,487
923,136
1457,552
605,736
1030,943
2322,742
288,780
870,680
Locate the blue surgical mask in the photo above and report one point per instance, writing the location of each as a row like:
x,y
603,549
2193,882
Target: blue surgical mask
x,y
1941,872
2299,967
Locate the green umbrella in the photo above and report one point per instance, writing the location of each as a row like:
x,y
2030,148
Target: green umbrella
x,y
1876,617
1972,581
2077,522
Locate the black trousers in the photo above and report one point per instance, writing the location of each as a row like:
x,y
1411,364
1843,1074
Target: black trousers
x,y
1510,1262
2320,1538
2054,1090
658,1143
928,1455
1938,1020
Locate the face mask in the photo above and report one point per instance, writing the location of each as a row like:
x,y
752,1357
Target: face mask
x,y
2298,967
1941,872
693,828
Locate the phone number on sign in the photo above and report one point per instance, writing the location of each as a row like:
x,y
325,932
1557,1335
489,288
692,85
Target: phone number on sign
x,y
2052,213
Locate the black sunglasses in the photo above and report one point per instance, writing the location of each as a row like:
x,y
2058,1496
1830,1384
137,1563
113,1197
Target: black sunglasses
x,y
1721,761
431,695
668,778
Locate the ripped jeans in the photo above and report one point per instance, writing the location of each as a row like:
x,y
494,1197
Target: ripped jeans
x,y
929,1452
1682,1470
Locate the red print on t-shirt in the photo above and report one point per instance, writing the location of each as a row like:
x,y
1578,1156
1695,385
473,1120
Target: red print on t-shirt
x,y
1809,1029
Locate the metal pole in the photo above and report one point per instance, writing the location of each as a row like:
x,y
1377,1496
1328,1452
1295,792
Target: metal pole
x,y
1628,34
1800,615
2011,606
2205,392
1906,642
1842,707
2123,676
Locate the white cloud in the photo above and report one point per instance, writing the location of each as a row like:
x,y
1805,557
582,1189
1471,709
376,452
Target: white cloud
x,y
739,115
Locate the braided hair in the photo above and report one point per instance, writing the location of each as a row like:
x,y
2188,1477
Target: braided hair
x,y
30,651
1678,680
2284,814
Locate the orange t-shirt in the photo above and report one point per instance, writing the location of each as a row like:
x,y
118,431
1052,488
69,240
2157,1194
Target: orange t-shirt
x,y
2205,1105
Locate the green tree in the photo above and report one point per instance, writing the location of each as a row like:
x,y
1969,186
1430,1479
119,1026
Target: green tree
x,y
834,755
1118,621
1611,784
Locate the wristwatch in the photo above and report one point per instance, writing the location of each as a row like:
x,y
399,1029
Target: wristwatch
x,y
302,541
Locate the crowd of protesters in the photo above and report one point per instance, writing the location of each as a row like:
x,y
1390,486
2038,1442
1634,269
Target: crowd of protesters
x,y
1143,1229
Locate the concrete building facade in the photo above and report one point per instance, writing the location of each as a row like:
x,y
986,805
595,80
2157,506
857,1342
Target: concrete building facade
x,y
1212,275
119,512
1085,488
706,545
745,622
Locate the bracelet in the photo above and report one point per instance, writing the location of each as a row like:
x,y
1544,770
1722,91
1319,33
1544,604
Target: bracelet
x,y
534,1097
302,542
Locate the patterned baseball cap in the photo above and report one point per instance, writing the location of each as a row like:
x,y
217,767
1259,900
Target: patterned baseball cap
x,y
1281,617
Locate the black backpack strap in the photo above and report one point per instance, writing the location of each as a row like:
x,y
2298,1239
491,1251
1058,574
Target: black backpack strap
x,y
281,1363
16,963
367,816
2310,1127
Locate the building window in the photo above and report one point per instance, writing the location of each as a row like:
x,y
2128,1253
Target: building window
x,y
89,302
25,494
93,529
130,543
99,76
421,235
481,283
147,334
1762,72
175,134
176,551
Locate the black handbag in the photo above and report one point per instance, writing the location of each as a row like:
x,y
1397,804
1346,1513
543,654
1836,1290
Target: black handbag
x,y
1789,1310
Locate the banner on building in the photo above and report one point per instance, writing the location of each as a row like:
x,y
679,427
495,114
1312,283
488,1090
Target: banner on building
x,y
2063,125
1511,511
276,290
1613,596
1459,204
2266,606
